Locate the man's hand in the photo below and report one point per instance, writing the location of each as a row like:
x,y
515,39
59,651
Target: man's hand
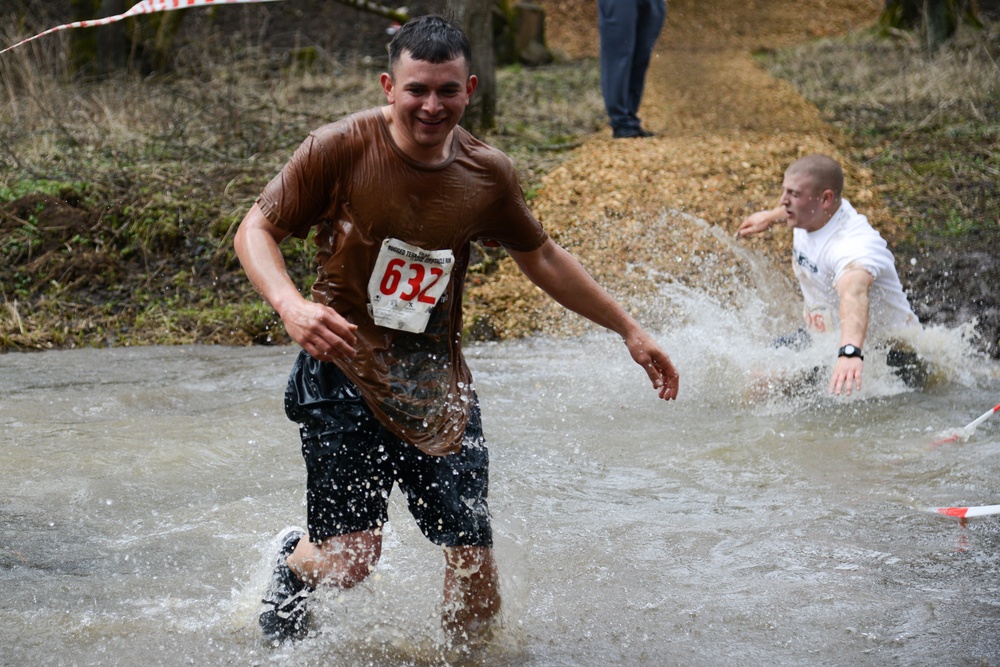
x,y
760,221
657,365
846,376
320,330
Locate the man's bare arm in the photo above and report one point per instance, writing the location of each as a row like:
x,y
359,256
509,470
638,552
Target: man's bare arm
x,y
760,221
320,330
853,287
565,280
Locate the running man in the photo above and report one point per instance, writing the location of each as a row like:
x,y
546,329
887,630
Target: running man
x,y
381,391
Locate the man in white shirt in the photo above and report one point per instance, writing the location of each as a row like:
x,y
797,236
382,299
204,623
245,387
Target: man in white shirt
x,y
844,267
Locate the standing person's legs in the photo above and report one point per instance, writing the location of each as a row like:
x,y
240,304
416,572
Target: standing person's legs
x,y
651,16
616,22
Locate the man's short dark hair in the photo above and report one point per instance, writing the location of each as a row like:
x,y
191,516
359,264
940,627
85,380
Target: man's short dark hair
x,y
430,38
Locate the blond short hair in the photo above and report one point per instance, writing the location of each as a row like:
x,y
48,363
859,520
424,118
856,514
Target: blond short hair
x,y
823,172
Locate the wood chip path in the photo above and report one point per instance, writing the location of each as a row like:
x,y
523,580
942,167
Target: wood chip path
x,y
641,212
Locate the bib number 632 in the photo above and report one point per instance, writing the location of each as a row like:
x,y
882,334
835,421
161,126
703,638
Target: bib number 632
x,y
416,287
406,283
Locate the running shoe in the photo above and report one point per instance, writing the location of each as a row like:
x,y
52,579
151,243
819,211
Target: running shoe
x,y
283,615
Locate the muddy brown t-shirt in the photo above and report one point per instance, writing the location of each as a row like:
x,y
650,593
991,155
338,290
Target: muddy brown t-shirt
x,y
392,240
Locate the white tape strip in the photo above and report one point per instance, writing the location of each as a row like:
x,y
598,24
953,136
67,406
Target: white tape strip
x,y
144,7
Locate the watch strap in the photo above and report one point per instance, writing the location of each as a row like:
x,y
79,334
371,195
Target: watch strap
x,y
851,351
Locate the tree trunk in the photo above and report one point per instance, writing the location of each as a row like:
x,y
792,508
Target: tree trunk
x,y
476,18
529,34
112,47
20,14
167,25
82,45
902,14
989,9
937,19
940,22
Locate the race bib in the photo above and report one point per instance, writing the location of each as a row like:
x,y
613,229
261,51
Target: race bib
x,y
818,319
406,284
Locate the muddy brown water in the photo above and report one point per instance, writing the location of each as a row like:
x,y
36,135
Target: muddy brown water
x,y
140,490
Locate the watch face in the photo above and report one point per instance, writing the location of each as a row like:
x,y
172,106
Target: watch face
x,y
849,349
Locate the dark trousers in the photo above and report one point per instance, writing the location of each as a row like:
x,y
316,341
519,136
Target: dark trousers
x,y
628,31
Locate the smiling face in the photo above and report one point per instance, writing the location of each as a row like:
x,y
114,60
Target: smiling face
x,y
426,101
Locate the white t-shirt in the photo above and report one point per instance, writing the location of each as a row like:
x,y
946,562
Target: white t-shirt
x,y
820,258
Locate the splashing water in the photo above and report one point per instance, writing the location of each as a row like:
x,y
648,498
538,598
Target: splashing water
x,y
141,490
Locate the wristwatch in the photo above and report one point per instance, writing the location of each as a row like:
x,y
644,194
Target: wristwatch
x,y
850,351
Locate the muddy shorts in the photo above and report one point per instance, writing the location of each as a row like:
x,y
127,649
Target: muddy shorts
x,y
352,462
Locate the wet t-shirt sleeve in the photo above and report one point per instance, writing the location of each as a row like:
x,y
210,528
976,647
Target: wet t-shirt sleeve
x,y
305,190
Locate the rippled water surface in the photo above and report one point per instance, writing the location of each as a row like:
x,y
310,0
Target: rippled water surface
x,y
140,490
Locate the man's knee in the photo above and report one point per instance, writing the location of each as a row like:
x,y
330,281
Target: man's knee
x,y
343,561
908,366
471,575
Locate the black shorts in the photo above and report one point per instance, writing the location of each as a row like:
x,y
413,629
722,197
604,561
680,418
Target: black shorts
x,y
352,462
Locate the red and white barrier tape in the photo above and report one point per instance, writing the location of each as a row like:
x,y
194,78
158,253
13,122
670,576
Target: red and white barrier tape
x,y
966,431
965,512
144,7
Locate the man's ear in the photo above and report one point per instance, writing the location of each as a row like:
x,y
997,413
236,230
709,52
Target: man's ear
x,y
470,87
387,87
827,199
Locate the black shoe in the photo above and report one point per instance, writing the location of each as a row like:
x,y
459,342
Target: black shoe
x,y
283,615
631,133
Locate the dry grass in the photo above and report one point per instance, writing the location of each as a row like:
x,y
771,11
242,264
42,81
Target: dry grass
x,y
929,125
929,129
869,73
124,193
